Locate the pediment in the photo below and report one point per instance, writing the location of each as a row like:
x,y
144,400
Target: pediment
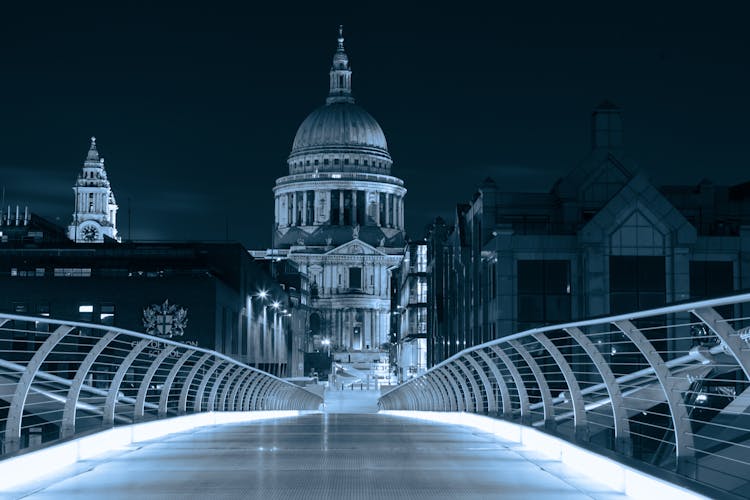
x,y
355,247
639,199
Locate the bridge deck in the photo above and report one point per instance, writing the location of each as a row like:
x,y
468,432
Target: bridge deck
x,y
323,456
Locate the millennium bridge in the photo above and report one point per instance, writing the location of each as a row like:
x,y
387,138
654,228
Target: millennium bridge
x,y
651,404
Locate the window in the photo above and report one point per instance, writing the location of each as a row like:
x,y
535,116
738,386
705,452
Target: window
x,y
421,258
355,277
712,279
107,314
636,283
86,312
543,292
341,80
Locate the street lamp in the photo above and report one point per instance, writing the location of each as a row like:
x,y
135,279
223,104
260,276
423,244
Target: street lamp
x,y
332,371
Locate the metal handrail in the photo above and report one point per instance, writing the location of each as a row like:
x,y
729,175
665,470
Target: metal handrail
x,y
667,387
59,379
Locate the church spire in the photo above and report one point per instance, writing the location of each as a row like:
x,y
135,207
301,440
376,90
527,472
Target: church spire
x,y
340,75
93,154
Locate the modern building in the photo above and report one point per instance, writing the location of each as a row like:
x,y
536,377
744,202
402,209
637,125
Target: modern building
x,y
409,312
95,211
204,294
604,239
339,215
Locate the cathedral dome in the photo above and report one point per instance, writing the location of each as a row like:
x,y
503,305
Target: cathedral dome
x,y
340,136
340,125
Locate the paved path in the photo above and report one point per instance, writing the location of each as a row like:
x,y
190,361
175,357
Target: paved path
x,y
321,456
348,401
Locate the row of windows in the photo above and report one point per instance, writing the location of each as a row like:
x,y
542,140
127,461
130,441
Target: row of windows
x,y
85,311
87,272
337,161
635,283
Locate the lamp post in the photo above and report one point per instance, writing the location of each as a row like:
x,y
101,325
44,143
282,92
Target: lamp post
x,y
262,295
275,335
332,372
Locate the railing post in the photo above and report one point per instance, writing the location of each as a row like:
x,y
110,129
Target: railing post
x,y
576,398
623,443
216,385
241,373
491,400
15,412
682,429
549,410
523,395
71,400
447,379
728,336
476,392
439,396
198,403
167,388
504,392
182,405
247,391
108,418
140,401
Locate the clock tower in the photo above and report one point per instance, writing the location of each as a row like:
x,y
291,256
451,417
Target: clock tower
x,y
95,211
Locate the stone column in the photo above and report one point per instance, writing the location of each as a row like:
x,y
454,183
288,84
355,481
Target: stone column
x,y
377,209
388,209
294,210
395,211
304,208
341,208
355,220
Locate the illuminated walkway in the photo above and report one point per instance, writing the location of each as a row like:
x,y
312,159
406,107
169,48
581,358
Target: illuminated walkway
x,y
322,456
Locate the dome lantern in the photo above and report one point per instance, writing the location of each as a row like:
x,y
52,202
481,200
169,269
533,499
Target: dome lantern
x,y
340,87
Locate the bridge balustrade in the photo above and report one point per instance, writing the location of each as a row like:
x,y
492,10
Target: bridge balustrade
x,y
61,379
665,389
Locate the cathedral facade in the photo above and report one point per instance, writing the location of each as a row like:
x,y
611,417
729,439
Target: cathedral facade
x,y
339,214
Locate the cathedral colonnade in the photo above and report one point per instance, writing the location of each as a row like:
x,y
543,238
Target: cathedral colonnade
x,y
379,205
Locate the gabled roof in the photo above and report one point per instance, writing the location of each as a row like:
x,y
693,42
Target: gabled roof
x,y
638,195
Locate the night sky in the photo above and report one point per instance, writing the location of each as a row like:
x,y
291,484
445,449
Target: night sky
x,y
195,108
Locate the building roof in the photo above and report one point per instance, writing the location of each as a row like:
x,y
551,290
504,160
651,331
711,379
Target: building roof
x,y
339,125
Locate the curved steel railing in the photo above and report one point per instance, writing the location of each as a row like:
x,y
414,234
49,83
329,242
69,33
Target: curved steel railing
x,y
667,387
59,379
